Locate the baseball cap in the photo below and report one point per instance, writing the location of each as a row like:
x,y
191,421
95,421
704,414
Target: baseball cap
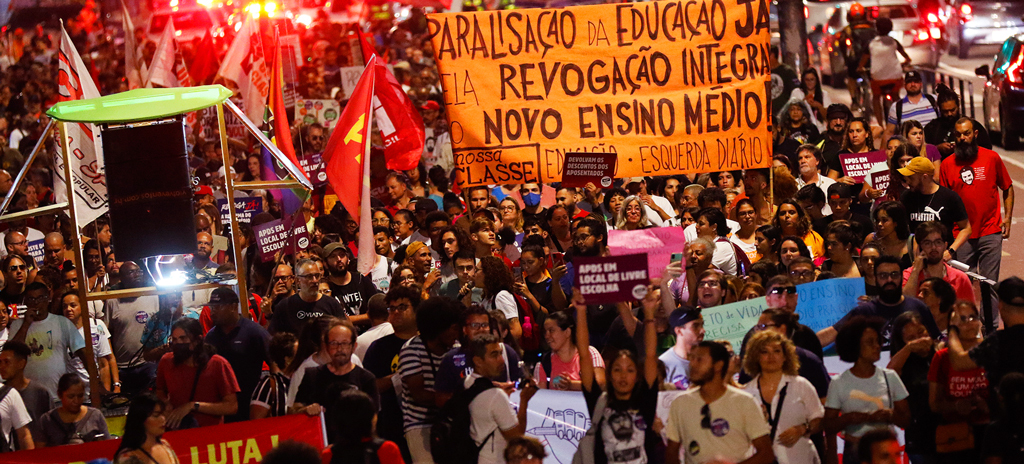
x,y
917,165
204,190
912,76
223,295
430,105
839,191
836,110
331,248
682,315
1011,291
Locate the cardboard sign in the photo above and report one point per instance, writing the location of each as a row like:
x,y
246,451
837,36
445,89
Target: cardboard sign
x,y
245,441
823,303
880,180
280,235
658,243
583,168
857,165
666,91
314,167
325,112
612,279
36,251
732,321
245,209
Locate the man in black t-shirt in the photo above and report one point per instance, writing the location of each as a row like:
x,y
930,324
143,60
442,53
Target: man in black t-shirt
x,y
292,312
350,288
926,200
321,386
837,117
840,198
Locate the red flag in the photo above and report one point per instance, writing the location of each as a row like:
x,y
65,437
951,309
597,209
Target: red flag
x,y
398,120
205,64
282,129
345,153
366,45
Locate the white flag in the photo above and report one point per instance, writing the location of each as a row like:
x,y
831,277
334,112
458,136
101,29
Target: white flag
x,y
131,58
85,152
161,70
245,65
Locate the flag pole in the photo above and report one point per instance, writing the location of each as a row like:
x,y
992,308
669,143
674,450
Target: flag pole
x,y
241,273
83,286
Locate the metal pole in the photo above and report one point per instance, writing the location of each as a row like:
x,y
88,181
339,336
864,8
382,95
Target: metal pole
x,y
236,234
986,307
963,101
26,166
970,91
83,290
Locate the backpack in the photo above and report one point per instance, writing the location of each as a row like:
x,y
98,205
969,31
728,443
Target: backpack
x,y
450,440
4,445
860,38
899,108
532,332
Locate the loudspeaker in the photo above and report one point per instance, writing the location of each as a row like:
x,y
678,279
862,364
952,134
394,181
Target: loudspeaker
x,y
150,190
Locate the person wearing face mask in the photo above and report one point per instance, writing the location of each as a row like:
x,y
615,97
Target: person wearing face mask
x,y
889,304
198,386
531,195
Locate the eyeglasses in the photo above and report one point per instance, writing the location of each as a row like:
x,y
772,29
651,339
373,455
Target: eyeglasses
x,y
709,283
968,319
581,237
18,243
336,345
400,308
315,276
894,275
316,137
508,208
705,413
780,290
765,326
479,325
801,274
37,299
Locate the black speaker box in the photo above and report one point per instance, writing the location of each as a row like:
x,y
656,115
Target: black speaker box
x,y
150,190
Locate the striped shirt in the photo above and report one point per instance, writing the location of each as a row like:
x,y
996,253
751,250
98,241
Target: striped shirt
x,y
271,393
922,111
415,359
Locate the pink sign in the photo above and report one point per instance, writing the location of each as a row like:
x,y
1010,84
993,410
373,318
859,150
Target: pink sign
x,y
658,243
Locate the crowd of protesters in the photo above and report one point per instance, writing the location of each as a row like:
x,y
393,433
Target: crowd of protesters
x,y
472,290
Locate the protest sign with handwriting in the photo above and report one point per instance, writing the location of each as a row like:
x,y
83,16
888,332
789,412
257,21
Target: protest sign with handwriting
x,y
732,321
824,302
611,279
671,87
658,243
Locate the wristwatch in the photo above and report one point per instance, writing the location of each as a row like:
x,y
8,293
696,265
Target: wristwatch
x,y
951,251
195,406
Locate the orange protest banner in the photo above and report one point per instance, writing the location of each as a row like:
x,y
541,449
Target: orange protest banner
x,y
671,87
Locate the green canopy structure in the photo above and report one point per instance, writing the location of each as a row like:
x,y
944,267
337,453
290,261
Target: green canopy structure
x,y
139,105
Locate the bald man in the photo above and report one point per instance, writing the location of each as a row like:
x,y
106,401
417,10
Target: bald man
x,y
6,182
53,247
204,247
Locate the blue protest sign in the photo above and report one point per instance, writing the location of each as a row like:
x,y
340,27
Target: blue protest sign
x,y
824,302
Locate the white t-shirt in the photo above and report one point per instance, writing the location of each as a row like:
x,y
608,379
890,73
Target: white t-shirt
x,y
802,405
53,342
823,183
300,373
13,415
380,275
725,256
885,62
849,393
504,302
750,249
490,412
690,232
100,348
736,420
653,217
373,334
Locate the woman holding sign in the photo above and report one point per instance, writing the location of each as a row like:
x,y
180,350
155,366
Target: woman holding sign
x,y
789,402
622,417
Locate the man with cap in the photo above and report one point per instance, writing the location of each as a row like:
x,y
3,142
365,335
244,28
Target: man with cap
x,y
688,325
917,105
926,200
241,341
204,196
840,198
837,117
999,353
350,288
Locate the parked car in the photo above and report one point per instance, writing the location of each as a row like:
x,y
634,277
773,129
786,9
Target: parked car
x,y
1002,105
982,22
918,37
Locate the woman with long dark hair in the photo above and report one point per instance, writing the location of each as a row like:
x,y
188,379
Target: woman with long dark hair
x,y
142,442
787,249
913,132
765,238
560,368
791,219
357,439
496,281
746,237
892,229
418,180
818,99
912,350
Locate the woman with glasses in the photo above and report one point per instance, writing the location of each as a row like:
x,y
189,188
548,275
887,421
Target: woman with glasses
x,y
632,215
840,248
790,403
746,237
405,276
863,397
960,396
382,218
511,215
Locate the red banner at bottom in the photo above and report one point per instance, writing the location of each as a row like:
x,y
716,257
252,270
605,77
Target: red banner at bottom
x,y
238,443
